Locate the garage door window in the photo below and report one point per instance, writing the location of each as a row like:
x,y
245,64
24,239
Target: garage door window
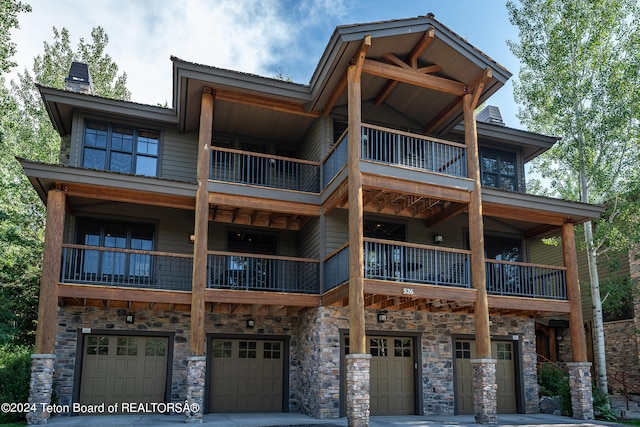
x,y
463,350
155,347
272,350
222,349
402,347
378,347
248,350
504,351
127,346
98,345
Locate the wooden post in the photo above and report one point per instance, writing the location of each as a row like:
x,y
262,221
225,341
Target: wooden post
x,y
476,233
51,262
357,339
576,328
201,226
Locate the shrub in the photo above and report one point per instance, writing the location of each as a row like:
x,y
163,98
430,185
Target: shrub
x,y
15,375
554,382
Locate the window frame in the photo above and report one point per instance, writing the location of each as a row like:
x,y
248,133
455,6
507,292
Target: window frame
x,y
137,135
500,174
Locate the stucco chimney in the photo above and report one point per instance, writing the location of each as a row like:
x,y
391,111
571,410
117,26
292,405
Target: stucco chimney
x,y
79,79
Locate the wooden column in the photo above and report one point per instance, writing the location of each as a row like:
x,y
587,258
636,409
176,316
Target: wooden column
x,y
357,339
476,232
576,327
51,263
201,226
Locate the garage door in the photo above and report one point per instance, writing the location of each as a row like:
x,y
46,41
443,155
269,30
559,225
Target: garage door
x,y
392,375
503,352
123,369
246,375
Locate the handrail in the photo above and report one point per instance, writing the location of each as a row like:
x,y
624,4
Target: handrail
x,y
414,135
418,246
341,247
526,264
125,251
251,255
265,155
335,146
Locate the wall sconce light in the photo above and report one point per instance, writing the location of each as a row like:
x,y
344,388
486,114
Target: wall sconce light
x,y
382,316
129,319
437,238
192,238
250,323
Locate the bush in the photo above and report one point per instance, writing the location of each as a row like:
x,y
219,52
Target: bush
x,y
554,382
15,375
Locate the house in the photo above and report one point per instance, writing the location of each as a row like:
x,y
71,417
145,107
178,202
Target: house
x,y
354,246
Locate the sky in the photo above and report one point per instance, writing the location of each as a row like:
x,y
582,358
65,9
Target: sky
x,y
264,37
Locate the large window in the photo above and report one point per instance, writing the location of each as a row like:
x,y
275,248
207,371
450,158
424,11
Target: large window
x,y
499,169
122,149
98,264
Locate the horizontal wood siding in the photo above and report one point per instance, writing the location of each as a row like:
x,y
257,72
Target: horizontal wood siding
x,y
309,239
179,156
311,146
337,230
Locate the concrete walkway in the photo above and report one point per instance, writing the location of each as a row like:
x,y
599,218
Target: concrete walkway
x,y
281,419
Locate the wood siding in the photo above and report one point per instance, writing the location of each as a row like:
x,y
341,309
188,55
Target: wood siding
x,y
179,153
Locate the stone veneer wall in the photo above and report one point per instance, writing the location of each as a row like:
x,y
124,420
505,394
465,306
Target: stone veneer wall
x,y
622,352
314,369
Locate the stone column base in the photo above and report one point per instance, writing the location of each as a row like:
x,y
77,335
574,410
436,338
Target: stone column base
x,y
581,392
196,370
358,381
485,404
40,387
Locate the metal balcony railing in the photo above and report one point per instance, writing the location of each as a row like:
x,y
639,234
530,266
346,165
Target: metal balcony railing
x,y
264,170
336,268
414,151
335,160
250,272
126,267
526,280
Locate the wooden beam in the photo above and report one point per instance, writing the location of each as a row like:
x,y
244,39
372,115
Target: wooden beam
x,y
527,304
257,203
476,234
264,102
524,214
416,188
444,115
477,85
359,58
418,48
413,77
227,296
51,264
357,337
454,209
201,227
384,287
576,326
335,95
127,196
129,295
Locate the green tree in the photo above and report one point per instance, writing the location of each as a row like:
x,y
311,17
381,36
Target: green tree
x,y
9,10
579,79
26,132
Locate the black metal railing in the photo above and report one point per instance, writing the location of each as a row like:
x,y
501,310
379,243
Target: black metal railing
x,y
414,151
126,267
229,270
335,160
336,268
413,263
264,170
526,280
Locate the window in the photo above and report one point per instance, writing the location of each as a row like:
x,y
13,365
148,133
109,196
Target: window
x,y
498,169
122,149
94,265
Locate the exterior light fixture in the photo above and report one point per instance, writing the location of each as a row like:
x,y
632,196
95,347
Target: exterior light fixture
x,y
192,238
382,316
129,319
437,238
250,323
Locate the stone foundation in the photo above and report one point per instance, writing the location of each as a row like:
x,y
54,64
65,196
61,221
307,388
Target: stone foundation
x,y
196,370
357,390
41,387
581,393
485,404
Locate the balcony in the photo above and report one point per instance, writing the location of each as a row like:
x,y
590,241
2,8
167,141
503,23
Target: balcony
x,y
445,267
244,167
126,268
251,272
397,148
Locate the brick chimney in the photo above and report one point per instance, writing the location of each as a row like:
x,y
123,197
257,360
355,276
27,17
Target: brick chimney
x,y
79,79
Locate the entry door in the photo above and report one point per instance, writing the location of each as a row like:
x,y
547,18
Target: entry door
x,y
503,352
247,375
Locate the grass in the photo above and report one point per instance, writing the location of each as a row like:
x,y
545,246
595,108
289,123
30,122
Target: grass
x,y
21,424
630,422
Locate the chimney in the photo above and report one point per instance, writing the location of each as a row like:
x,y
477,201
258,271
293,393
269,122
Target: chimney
x,y
490,114
79,79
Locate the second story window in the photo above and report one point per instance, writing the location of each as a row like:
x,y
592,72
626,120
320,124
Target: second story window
x,y
120,149
499,169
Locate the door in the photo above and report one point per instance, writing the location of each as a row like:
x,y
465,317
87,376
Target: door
x,y
119,369
392,375
504,353
247,375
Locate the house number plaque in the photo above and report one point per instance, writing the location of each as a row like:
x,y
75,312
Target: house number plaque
x,y
407,291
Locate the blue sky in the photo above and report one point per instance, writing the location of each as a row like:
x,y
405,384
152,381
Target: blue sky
x,y
256,36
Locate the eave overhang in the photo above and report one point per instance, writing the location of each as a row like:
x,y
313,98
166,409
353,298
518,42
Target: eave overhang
x,y
61,104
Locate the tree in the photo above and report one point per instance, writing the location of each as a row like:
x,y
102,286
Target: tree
x,y
26,132
579,79
9,10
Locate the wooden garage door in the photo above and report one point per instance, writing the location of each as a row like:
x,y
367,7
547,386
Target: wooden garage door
x,y
123,369
503,351
392,376
246,376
